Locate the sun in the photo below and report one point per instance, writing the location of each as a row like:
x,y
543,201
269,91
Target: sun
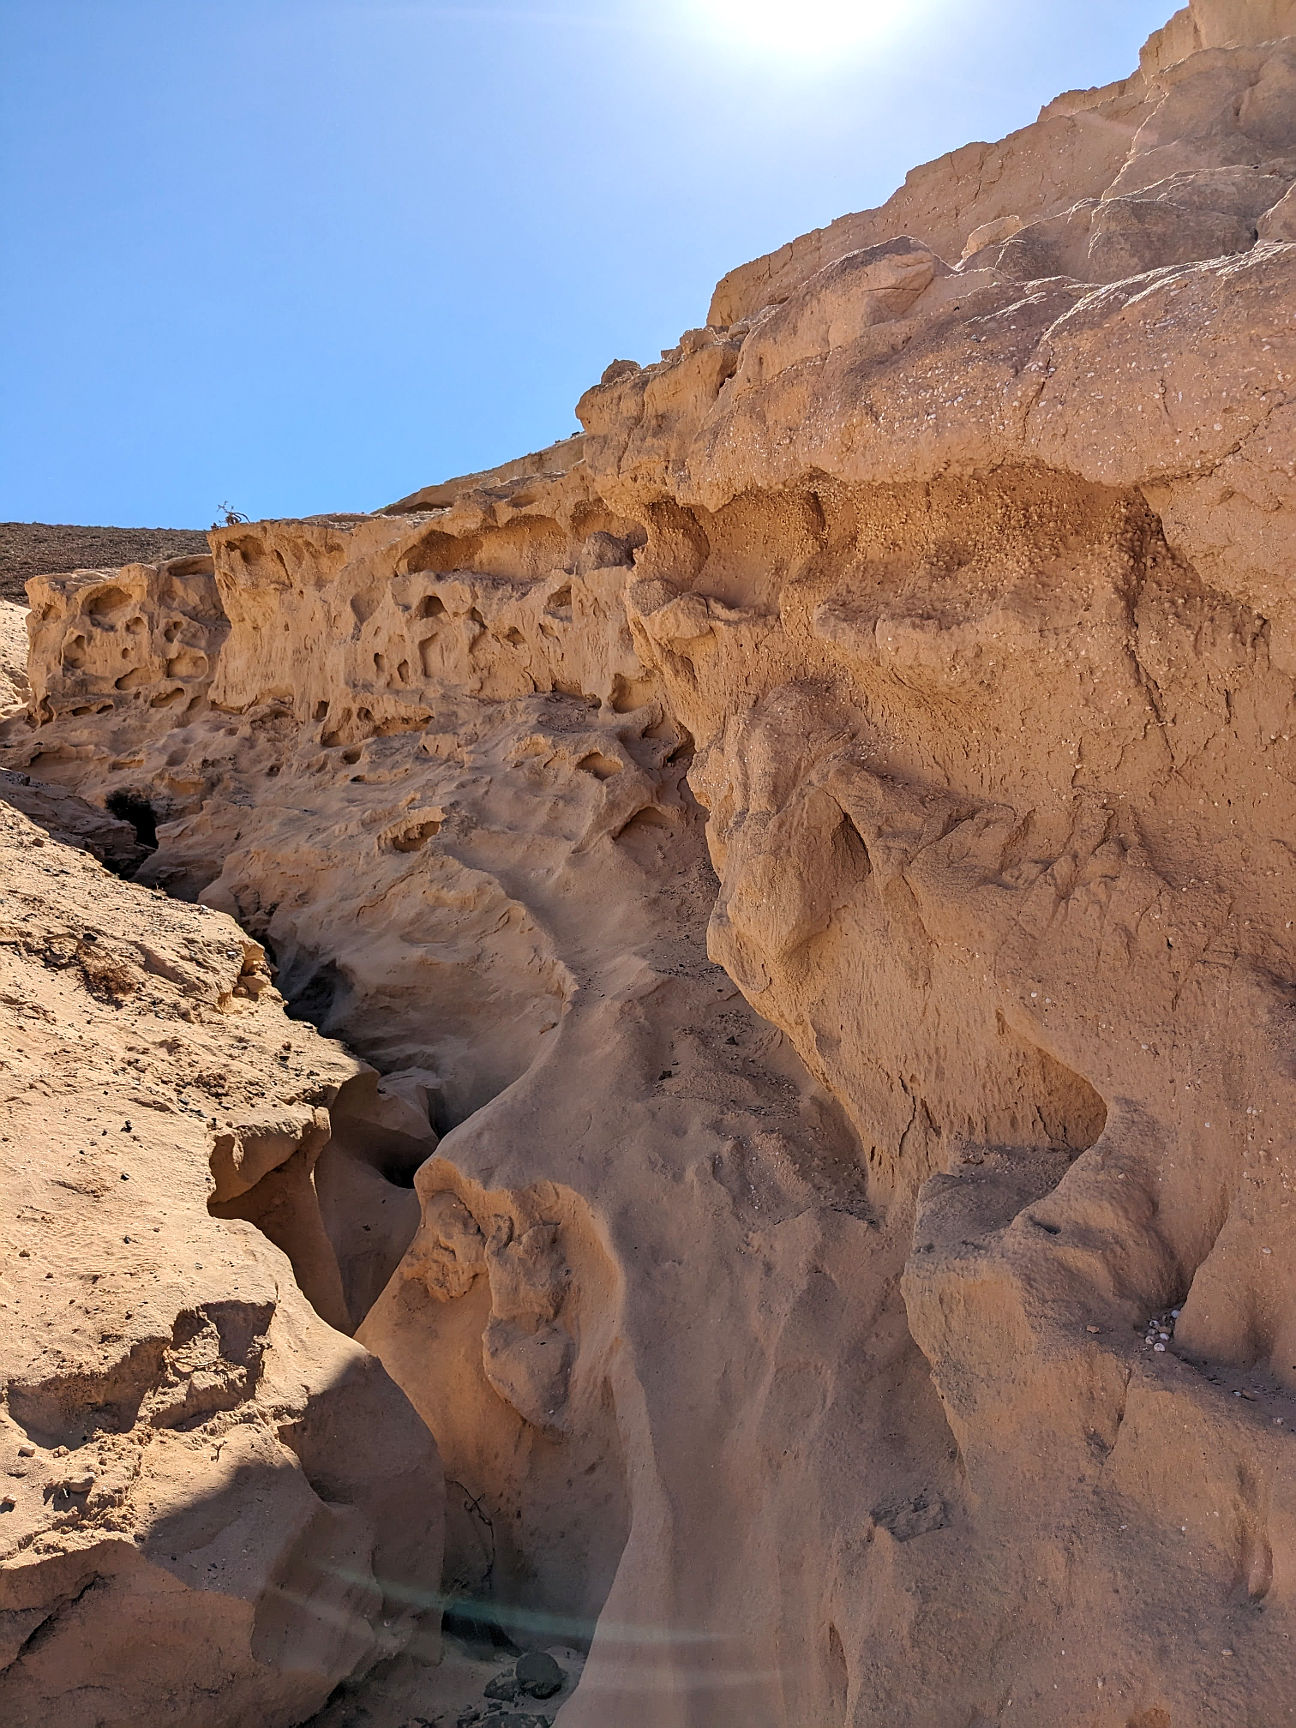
x,y
806,29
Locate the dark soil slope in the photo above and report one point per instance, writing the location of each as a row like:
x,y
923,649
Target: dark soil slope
x,y
45,548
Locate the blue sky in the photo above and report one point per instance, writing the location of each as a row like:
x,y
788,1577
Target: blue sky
x,y
308,255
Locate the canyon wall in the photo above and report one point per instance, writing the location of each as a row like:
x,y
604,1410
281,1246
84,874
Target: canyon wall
x,y
193,1527
805,868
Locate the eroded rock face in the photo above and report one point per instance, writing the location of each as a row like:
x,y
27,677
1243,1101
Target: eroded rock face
x,y
810,859
198,1521
13,657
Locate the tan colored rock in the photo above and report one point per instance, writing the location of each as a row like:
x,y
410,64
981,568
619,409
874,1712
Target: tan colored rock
x,y
193,1525
1226,23
13,657
1185,112
1279,223
809,865
990,234
75,821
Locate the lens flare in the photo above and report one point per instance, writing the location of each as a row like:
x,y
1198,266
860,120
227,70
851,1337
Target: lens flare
x,y
807,29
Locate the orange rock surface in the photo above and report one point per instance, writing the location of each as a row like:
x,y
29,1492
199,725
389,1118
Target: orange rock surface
x,y
805,869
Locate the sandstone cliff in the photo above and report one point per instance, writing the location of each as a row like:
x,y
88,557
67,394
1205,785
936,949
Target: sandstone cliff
x,y
816,849
191,1528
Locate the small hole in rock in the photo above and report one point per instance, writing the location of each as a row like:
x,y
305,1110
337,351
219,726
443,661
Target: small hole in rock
x,y
134,808
600,766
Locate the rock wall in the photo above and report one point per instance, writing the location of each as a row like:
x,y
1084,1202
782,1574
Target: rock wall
x,y
817,847
194,1528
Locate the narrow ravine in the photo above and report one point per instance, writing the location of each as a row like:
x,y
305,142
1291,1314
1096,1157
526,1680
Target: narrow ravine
x,y
804,869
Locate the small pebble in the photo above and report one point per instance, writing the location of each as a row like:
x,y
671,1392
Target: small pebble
x,y
26,1451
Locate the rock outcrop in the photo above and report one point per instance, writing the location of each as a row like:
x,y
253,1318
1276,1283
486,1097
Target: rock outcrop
x,y
214,1506
13,657
810,862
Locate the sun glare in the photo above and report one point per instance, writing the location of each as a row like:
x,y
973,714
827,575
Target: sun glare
x,y
808,29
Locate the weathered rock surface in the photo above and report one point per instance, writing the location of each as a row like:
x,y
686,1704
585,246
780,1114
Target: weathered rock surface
x,y
13,657
213,1507
810,859
75,821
